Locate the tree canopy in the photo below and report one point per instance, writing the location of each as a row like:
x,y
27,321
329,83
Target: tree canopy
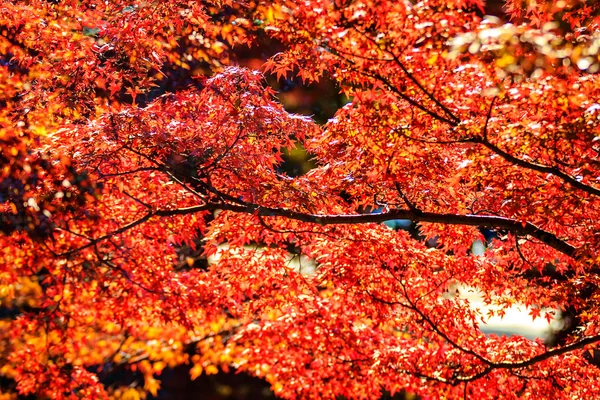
x,y
134,149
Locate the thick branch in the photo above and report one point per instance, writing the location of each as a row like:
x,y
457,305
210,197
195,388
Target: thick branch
x,y
524,228
549,354
517,227
533,360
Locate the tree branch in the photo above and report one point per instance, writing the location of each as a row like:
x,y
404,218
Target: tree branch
x,y
517,227
539,168
408,99
524,228
410,76
534,360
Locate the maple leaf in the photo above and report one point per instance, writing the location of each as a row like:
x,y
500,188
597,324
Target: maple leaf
x,y
535,313
114,87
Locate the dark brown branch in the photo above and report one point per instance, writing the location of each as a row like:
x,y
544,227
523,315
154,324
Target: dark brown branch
x,y
539,168
411,206
400,93
454,121
521,255
525,228
422,88
410,76
533,360
487,119
413,306
410,100
549,354
141,220
489,365
517,227
512,159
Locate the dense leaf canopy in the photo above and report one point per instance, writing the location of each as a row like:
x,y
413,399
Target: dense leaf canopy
x,y
134,150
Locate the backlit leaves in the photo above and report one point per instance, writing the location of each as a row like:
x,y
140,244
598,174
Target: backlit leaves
x,y
146,221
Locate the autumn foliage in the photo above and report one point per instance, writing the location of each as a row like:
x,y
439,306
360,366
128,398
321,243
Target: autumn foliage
x,y
146,221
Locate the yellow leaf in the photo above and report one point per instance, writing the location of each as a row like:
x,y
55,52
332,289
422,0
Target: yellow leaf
x,y
196,371
152,385
270,15
506,60
130,394
432,59
158,367
277,387
211,370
